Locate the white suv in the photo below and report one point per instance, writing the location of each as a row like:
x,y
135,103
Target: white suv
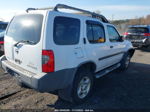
x,y
49,50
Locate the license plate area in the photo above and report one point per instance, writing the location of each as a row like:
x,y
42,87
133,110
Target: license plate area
x,y
13,73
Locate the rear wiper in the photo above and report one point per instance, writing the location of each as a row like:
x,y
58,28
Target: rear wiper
x,y
24,41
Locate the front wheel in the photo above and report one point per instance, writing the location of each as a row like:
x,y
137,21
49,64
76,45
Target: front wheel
x,y
82,86
125,62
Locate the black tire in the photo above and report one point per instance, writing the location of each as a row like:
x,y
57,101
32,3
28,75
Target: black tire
x,y
125,62
82,74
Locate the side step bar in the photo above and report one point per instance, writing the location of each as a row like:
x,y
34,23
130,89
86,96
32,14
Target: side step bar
x,y
107,70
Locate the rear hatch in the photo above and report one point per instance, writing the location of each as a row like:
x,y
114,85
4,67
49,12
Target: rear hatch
x,y
137,33
23,41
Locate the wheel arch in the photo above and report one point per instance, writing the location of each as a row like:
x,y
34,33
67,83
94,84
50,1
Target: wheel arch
x,y
89,64
131,51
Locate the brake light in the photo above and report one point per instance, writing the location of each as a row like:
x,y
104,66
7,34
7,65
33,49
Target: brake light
x,y
126,33
146,34
1,42
48,64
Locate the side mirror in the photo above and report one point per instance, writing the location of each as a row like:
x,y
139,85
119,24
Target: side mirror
x,y
121,39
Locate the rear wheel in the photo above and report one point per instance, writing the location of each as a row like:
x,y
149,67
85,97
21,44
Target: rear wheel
x,y
82,86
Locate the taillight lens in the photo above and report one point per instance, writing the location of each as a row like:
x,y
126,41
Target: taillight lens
x,y
1,42
126,33
146,34
48,64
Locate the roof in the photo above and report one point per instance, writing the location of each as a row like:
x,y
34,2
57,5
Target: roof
x,y
62,6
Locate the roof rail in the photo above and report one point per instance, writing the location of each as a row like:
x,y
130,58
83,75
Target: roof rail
x,y
62,6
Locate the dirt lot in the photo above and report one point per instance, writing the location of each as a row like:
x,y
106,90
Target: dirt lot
x,y
117,90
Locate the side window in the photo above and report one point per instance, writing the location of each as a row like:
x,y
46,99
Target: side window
x,y
66,31
90,33
95,33
113,34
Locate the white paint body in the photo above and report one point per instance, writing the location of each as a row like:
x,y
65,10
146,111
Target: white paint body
x,y
66,56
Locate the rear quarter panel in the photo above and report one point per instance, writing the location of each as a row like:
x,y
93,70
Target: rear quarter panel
x,y
66,56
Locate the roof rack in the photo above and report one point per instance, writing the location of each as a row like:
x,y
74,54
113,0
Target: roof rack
x,y
62,6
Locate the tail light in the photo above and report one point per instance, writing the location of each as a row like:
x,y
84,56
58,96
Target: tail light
x,y
126,33
146,34
48,64
1,42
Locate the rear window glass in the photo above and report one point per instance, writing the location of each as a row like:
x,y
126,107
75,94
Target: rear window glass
x,y
138,30
26,27
3,26
2,34
66,30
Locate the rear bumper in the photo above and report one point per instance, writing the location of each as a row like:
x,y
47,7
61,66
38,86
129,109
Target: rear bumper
x,y
135,44
140,42
43,82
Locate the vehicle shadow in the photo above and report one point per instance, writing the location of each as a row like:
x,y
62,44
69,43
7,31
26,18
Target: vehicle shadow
x,y
117,90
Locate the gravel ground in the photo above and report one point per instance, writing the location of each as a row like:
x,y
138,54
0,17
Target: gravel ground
x,y
117,90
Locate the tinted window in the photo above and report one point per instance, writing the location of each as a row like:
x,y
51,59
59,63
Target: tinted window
x,y
95,33
2,34
3,26
90,33
113,34
66,31
26,27
138,30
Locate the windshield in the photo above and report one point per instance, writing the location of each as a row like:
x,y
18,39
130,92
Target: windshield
x,y
138,30
26,27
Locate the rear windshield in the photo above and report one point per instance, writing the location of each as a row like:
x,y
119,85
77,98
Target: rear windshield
x,y
2,34
3,26
138,30
26,27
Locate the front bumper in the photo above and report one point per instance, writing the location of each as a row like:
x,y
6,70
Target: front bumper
x,y
43,82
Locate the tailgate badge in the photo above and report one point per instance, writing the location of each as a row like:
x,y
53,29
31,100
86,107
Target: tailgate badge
x,y
18,61
17,51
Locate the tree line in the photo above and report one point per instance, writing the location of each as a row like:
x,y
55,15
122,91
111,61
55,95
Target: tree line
x,y
140,21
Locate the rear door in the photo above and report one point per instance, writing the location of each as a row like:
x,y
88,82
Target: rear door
x,y
23,42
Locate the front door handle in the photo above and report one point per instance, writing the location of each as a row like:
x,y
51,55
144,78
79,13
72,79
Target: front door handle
x,y
111,46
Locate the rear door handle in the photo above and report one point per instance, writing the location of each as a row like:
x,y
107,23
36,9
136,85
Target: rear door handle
x,y
111,46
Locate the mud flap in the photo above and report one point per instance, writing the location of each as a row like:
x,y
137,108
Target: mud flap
x,y
66,93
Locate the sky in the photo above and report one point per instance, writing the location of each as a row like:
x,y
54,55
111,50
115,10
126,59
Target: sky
x,y
111,9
